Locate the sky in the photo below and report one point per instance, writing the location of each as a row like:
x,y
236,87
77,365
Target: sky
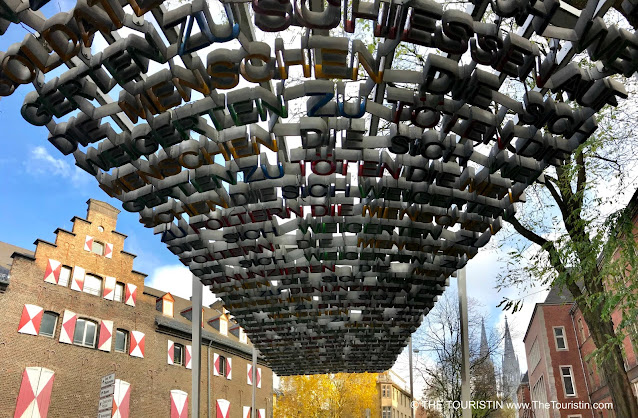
x,y
42,190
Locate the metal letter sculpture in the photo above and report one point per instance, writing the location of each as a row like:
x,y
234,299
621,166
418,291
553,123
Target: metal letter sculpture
x,y
327,240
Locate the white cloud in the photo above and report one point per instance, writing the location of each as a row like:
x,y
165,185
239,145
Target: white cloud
x,y
177,280
41,163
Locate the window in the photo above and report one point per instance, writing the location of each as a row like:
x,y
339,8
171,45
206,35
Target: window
x,y
65,276
92,285
121,341
85,333
568,380
47,326
98,248
534,355
222,366
559,336
178,354
119,292
539,394
386,412
385,392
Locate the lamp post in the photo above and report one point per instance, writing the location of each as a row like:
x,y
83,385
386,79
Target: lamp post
x,y
411,381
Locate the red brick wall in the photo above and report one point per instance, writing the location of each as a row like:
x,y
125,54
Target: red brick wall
x,y
545,318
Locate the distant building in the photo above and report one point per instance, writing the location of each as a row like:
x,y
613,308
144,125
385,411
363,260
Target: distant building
x,y
524,399
74,311
393,396
511,371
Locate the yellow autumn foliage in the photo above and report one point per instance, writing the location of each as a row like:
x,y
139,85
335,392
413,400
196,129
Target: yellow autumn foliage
x,y
341,395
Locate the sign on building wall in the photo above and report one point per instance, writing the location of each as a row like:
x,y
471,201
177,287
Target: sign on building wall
x,y
107,389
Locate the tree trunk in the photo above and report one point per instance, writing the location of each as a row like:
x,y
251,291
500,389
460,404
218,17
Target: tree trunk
x,y
613,365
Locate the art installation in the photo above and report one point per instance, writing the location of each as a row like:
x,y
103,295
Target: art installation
x,y
329,234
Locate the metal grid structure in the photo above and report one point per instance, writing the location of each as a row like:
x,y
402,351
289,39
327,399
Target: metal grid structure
x,y
326,237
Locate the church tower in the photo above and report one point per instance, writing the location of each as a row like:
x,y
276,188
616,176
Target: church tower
x,y
511,370
487,375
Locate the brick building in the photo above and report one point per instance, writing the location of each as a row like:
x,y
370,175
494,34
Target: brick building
x,y
393,396
524,398
74,311
557,345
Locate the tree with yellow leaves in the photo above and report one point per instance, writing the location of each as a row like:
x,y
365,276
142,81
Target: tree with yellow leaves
x,y
341,395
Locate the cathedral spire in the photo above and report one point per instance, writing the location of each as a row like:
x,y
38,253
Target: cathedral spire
x,y
511,368
484,349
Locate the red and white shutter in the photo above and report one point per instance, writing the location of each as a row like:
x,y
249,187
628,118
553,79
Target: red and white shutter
x,y
229,368
121,399
138,341
35,393
52,272
249,375
259,377
106,336
171,352
78,279
216,364
68,327
223,408
108,250
109,288
261,413
179,404
246,412
130,294
189,357
88,243
30,320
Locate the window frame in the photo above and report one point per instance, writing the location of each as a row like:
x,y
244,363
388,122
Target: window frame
x,y
386,411
563,337
69,279
101,290
539,393
534,355
178,360
123,286
95,245
126,340
95,334
55,323
573,380
222,366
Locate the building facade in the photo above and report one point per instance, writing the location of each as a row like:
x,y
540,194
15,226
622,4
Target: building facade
x,y
75,311
558,345
555,370
524,398
393,395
